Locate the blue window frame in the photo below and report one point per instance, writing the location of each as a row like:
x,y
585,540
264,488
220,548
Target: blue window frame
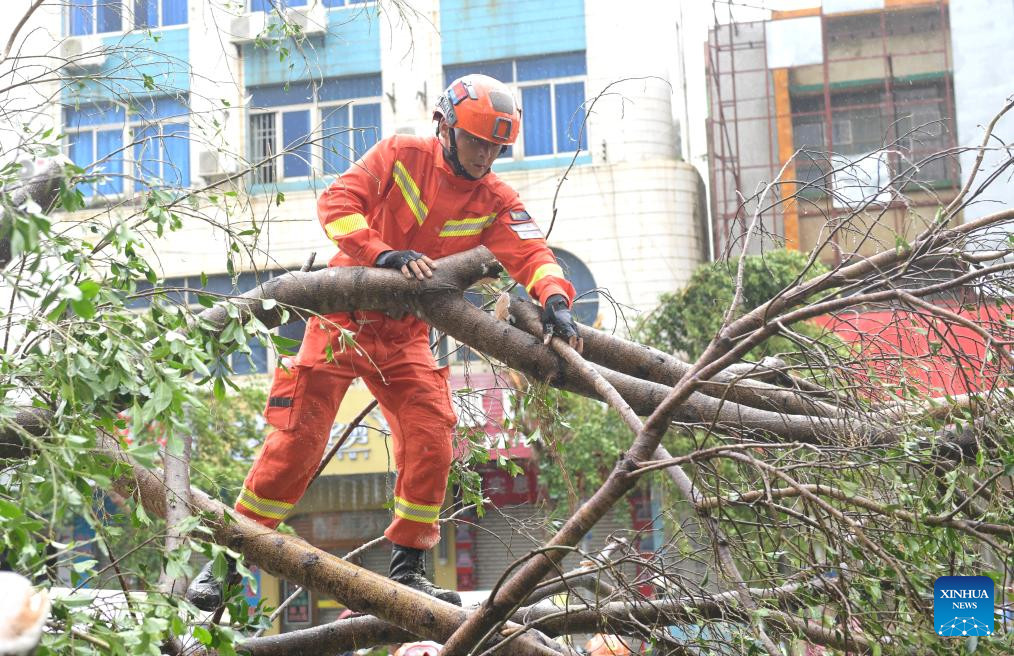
x,y
161,144
95,16
552,93
270,5
317,129
159,13
349,130
95,143
148,148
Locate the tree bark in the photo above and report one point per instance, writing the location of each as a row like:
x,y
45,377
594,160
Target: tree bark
x,y
295,560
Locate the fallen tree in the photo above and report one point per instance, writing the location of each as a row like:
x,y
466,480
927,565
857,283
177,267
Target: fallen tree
x,y
814,497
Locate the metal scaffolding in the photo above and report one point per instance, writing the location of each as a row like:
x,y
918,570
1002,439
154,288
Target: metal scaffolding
x,y
806,95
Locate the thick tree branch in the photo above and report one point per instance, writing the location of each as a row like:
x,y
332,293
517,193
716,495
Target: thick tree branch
x,y
297,561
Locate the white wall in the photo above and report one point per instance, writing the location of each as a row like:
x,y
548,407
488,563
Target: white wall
x,y
631,215
980,38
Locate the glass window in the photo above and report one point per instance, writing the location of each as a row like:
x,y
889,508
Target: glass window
x,y
296,142
333,125
270,5
101,153
861,123
571,132
538,120
95,16
184,291
156,152
336,143
155,13
262,147
552,93
162,155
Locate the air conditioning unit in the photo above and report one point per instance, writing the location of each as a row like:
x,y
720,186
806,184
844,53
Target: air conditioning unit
x,y
246,28
83,54
213,166
312,21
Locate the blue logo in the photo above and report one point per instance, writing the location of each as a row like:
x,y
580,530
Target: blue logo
x,y
963,606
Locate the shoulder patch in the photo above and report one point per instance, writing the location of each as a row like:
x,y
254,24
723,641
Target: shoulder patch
x,y
526,230
520,216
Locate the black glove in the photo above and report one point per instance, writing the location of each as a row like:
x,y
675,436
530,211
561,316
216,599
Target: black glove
x,y
556,319
397,259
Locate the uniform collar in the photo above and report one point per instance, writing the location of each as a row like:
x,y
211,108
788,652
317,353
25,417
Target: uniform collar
x,y
454,179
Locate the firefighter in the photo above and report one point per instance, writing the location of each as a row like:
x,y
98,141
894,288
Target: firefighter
x,y
408,202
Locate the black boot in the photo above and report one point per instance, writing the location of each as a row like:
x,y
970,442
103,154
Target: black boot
x,y
206,591
408,567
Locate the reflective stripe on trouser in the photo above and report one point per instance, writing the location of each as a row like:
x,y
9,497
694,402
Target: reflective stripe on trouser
x,y
413,395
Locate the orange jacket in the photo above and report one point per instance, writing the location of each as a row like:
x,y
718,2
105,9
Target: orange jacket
x,y
403,195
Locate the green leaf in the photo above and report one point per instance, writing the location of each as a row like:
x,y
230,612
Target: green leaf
x,y
89,288
82,566
202,634
141,516
162,397
83,308
9,510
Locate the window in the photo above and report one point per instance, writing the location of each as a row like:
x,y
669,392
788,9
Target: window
x,y
159,13
95,143
551,89
161,145
316,129
861,123
147,147
99,16
95,16
184,290
271,5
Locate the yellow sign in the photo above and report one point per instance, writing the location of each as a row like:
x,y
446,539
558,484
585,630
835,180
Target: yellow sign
x,y
366,450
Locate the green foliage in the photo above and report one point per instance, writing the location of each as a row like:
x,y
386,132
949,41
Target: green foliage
x,y
581,440
686,321
76,343
226,432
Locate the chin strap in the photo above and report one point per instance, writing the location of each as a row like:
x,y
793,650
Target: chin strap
x,y
452,157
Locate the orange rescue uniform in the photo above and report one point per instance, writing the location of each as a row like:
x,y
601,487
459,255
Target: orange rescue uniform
x,y
402,195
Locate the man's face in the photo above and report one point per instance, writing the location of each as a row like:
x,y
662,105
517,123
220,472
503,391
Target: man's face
x,y
476,155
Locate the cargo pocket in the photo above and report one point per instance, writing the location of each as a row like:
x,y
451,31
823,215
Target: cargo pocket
x,y
447,407
285,398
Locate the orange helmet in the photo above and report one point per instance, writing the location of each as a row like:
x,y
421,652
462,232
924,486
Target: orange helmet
x,y
481,106
425,648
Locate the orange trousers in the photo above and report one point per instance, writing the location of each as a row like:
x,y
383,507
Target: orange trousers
x,y
393,358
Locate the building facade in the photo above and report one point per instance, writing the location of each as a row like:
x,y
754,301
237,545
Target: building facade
x,y
849,105
263,114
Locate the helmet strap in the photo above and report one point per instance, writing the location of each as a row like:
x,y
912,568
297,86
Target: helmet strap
x,y
451,155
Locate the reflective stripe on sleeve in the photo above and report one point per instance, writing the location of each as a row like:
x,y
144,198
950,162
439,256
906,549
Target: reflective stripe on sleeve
x,y
551,269
410,190
416,512
345,225
263,507
467,227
